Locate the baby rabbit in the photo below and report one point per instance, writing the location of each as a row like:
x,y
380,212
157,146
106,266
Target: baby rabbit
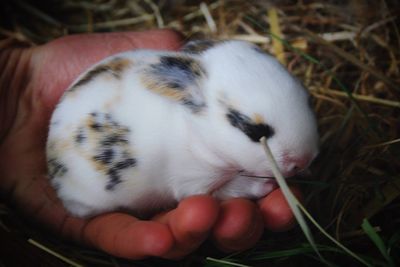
x,y
143,129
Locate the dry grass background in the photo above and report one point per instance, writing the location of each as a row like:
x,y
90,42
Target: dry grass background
x,y
346,52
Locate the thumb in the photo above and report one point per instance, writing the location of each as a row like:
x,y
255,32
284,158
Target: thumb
x,y
57,64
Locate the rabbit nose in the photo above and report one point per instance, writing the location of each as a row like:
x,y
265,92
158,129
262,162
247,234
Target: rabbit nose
x,y
293,165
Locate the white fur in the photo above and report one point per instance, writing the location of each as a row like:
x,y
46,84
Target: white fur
x,y
179,152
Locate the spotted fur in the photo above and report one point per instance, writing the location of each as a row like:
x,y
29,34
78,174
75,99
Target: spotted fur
x,y
177,78
110,151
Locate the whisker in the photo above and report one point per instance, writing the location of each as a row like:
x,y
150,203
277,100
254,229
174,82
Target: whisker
x,y
257,176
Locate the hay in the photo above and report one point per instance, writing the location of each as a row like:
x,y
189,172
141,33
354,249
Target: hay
x,y
346,52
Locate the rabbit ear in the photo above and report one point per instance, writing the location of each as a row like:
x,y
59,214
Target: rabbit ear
x,y
178,78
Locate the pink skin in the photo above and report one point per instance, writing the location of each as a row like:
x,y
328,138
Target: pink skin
x,y
31,83
295,164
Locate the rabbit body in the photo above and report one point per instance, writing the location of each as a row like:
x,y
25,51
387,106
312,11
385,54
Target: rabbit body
x,y
143,129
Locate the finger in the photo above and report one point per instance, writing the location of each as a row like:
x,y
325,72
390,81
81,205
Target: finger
x,y
125,236
100,45
190,224
239,225
151,39
275,210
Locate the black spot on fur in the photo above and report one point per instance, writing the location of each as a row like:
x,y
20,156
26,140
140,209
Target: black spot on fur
x,y
252,130
106,156
114,172
56,168
96,126
199,46
179,71
102,122
114,139
80,137
114,179
126,163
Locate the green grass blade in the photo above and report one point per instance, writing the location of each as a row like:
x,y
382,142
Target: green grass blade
x,y
377,240
294,252
319,227
296,207
220,262
291,199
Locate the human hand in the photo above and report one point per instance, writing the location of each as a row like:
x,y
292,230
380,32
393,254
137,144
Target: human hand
x,y
31,84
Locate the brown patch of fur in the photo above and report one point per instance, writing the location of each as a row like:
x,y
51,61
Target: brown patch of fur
x,y
258,118
163,89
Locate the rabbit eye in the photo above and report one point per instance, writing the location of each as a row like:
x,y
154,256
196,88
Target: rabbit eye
x,y
253,130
